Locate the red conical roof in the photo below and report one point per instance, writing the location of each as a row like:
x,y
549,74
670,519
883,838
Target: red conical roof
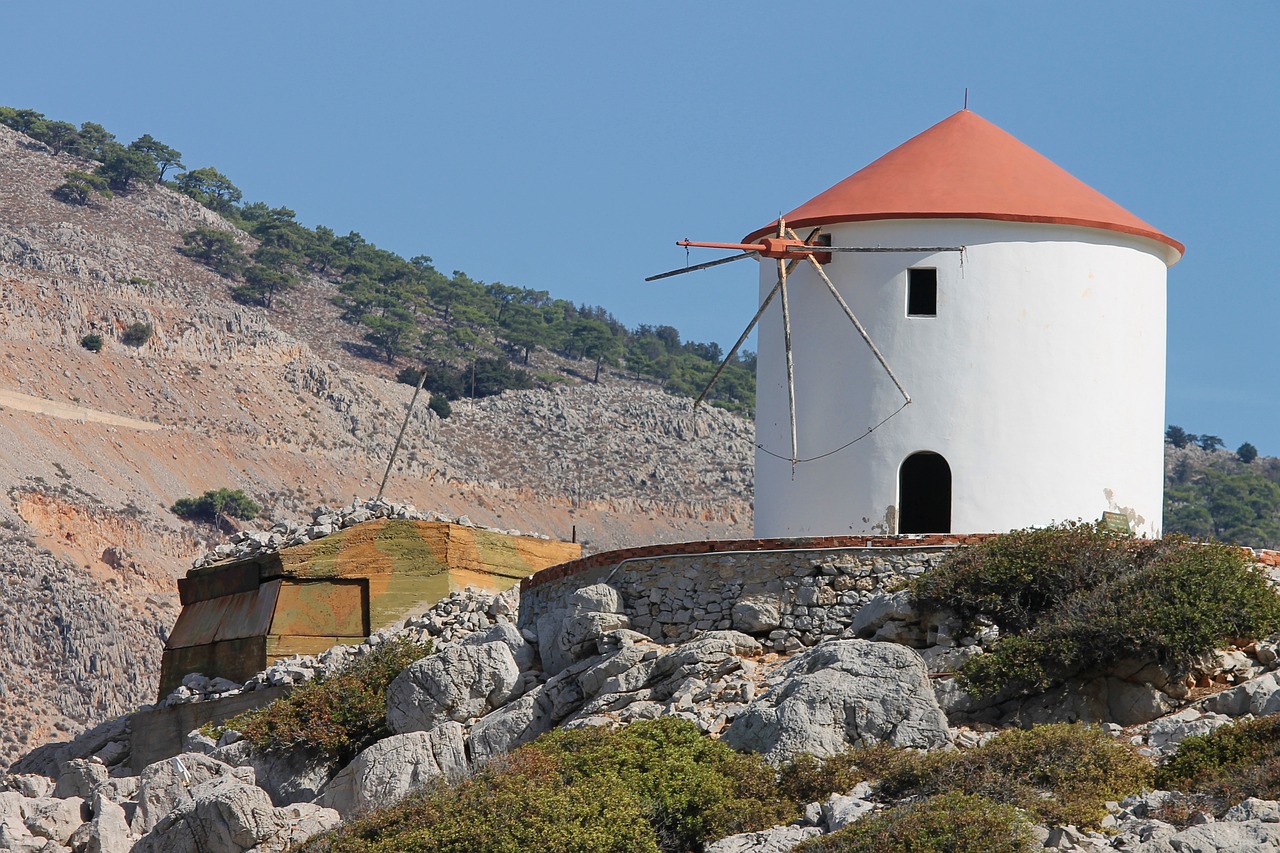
x,y
964,167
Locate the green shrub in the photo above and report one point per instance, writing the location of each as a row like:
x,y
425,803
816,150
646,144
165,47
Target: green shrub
x,y
951,823
656,785
694,789
1228,765
807,779
216,504
440,405
1075,598
80,188
516,804
1057,773
137,334
1012,579
92,342
338,715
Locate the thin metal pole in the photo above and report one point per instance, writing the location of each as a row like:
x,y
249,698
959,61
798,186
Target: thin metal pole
x,y
422,380
756,319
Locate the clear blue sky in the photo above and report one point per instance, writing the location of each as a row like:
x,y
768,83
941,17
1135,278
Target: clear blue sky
x,y
566,146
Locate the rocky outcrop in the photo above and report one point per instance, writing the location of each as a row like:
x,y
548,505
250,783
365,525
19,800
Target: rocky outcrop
x,y
459,684
393,767
841,694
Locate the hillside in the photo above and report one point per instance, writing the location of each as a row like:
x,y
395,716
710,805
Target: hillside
x,y
97,446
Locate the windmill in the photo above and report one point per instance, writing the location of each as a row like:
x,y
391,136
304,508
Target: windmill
x,y
787,250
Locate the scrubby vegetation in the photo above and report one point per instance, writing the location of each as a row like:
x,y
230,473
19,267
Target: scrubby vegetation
x,y
1073,598
92,342
1228,765
949,823
336,715
136,334
663,786
1056,773
652,786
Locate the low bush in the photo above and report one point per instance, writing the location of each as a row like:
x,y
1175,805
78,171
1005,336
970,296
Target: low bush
x,y
1228,765
336,715
694,789
653,786
950,823
137,334
80,188
440,405
1076,598
516,804
1058,773
92,342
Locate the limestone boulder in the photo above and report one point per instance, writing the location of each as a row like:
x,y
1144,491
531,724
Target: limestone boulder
x,y
80,777
107,832
296,775
1259,696
226,815
880,610
459,683
779,839
569,633
505,632
164,785
393,767
756,614
839,694
54,819
511,726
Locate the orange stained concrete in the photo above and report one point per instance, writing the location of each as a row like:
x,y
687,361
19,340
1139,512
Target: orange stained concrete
x,y
964,167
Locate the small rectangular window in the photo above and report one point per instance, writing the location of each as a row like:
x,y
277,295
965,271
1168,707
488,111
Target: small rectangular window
x,y
922,292
822,257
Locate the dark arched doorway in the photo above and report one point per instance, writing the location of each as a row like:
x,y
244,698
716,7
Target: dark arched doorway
x,y
924,494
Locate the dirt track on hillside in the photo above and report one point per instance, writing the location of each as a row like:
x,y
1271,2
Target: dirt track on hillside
x,y
69,411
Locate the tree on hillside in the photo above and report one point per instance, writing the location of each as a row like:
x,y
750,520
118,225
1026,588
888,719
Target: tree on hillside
x,y
1246,453
215,505
60,136
162,155
123,166
94,141
594,339
391,333
217,250
209,187
1210,443
1178,437
80,187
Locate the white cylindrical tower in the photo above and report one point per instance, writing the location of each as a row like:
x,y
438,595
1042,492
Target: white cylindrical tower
x,y
1034,358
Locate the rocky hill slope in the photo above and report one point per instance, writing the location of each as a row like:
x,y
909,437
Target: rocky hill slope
x,y
94,447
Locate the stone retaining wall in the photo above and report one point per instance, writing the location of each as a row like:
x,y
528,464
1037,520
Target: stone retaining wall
x,y
788,593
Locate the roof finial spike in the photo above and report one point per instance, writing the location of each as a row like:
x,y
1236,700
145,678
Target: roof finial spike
x,y
966,97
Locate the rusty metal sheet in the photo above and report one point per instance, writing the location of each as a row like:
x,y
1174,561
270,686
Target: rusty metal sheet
x,y
331,608
231,617
248,614
197,624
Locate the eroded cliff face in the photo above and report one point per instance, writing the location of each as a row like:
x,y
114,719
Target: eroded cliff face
x,y
94,447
